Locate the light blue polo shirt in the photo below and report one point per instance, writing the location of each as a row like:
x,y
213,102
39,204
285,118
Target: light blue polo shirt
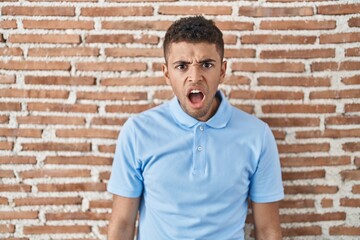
x,y
195,177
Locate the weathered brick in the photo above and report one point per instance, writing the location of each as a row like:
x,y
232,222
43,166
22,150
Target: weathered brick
x,y
291,122
123,96
7,79
38,11
44,201
59,80
57,24
44,38
338,9
8,24
108,121
100,204
306,147
268,67
79,160
7,174
57,107
116,11
298,25
77,216
23,132
352,52
301,231
276,39
6,145
72,187
329,133
163,94
275,12
49,229
344,231
10,106
104,175
300,203
311,189
350,174
244,94
352,107
356,189
11,51
350,202
295,81
63,52
7,228
312,217
342,120
195,10
315,161
354,22
234,25
122,38
133,108
4,119
351,146
34,65
140,25
340,38
239,53
17,160
327,203
56,146
107,148
55,173
19,93
111,66
298,54
87,133
133,52
299,108
303,175
15,188
9,215
51,120
133,81
351,80
335,94
236,80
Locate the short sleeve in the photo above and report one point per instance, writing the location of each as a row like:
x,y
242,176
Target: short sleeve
x,y
266,183
126,177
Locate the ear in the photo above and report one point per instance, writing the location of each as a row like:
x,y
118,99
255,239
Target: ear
x,y
223,71
166,73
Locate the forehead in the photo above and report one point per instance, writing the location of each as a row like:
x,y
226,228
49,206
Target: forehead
x,y
186,50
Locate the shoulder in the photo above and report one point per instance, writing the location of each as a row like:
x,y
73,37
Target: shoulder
x,y
245,120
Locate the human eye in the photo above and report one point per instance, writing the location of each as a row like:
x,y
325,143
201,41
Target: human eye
x,y
207,65
181,66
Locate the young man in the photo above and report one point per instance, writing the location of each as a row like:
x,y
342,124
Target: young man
x,y
190,165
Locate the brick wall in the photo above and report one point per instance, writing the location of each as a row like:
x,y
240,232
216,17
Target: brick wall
x,y
72,71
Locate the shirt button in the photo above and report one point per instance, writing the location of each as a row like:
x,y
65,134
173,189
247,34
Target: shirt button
x,y
201,128
200,148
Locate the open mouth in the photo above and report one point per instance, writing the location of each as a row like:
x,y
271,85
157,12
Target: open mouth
x,y
196,96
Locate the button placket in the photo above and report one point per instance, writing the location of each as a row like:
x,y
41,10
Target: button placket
x,y
199,163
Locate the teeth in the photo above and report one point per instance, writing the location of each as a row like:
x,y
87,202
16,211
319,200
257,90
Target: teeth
x,y
195,91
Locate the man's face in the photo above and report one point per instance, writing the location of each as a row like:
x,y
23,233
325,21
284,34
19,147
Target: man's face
x,y
194,71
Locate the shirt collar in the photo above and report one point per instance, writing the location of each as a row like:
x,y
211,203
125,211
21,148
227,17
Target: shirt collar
x,y
219,120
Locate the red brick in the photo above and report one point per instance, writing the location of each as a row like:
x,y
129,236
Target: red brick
x,y
108,121
163,94
356,189
51,120
6,145
10,106
123,96
79,160
7,228
303,175
57,24
342,120
344,230
55,146
338,9
56,229
63,52
116,11
107,148
351,146
140,25
299,203
275,12
100,204
133,81
354,22
312,217
327,203
276,39
236,80
15,188
19,93
72,187
34,65
38,11
335,94
335,66
55,173
104,175
59,80
350,174
357,162
18,215
306,147
7,79
329,133
8,24
44,201
77,216
299,108
311,189
111,66
352,107
55,107
239,53
17,160
87,133
4,119
268,67
15,51
195,10
298,54
23,132
315,161
234,25
301,231
133,52
295,81
122,38
7,174
48,38
133,108
244,94
298,25
351,80
350,202
352,52
340,38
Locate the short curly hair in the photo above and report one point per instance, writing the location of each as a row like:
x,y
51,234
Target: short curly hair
x,y
195,29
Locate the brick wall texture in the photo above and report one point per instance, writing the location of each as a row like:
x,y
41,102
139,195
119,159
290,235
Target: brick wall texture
x,y
72,71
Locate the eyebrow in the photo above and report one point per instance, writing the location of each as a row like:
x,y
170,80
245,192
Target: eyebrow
x,y
187,62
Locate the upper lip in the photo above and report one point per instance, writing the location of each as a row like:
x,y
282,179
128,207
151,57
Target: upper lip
x,y
196,88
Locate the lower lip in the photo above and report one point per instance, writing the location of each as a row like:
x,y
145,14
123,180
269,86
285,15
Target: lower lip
x,y
196,105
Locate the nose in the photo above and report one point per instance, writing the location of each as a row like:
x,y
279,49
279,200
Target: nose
x,y
195,74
